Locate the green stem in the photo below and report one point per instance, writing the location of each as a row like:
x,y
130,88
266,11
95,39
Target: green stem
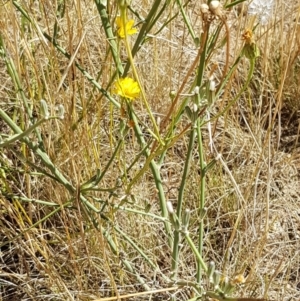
x,y
202,196
45,159
185,173
156,174
101,6
18,85
201,67
195,251
186,21
177,235
25,133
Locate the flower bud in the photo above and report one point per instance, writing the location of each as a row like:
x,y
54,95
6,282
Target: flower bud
x,y
170,207
44,109
212,85
172,94
211,271
216,278
195,108
196,90
60,111
186,219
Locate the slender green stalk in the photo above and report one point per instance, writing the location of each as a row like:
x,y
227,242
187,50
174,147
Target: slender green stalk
x,y
186,20
17,137
46,160
185,172
177,235
131,242
61,8
24,199
195,251
101,6
199,79
199,82
135,273
139,212
95,180
156,174
18,86
201,197
201,67
44,157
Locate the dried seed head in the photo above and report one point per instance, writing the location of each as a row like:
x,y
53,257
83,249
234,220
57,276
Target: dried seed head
x,y
263,9
205,12
213,5
215,8
204,8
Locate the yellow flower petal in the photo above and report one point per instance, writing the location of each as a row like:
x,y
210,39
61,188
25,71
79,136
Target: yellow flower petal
x,y
129,27
127,87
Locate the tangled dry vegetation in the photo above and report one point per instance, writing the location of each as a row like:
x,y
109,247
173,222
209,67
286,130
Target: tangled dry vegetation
x,y
50,251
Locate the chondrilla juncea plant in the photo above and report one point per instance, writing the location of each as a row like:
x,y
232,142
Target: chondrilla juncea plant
x,y
141,149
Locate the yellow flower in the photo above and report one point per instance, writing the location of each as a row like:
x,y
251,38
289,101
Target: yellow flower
x,y
127,87
128,27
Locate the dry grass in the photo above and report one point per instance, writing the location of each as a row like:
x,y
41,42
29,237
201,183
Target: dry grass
x,y
68,254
